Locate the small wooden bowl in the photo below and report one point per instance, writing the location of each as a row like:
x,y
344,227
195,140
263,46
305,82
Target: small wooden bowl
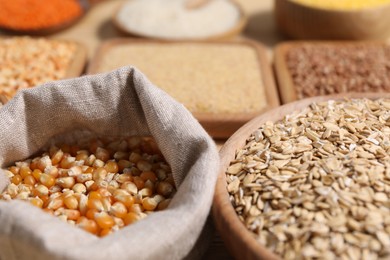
x,y
233,31
3,100
52,29
284,79
304,22
76,66
241,242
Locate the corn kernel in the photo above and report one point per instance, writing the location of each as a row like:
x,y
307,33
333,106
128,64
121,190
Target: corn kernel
x,y
90,213
15,170
119,156
79,188
74,171
37,202
67,162
136,208
88,225
144,166
95,195
106,204
16,179
81,156
55,204
95,204
47,180
52,171
94,144
104,220
124,197
105,232
135,157
131,217
72,214
163,204
99,174
56,157
111,166
44,162
40,190
30,180
37,174
118,209
66,182
139,182
25,171
71,202
130,187
134,142
102,154
164,188
82,178
148,175
22,195
145,192
149,203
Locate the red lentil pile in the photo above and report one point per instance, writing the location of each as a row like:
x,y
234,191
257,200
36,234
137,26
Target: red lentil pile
x,y
37,14
100,188
324,69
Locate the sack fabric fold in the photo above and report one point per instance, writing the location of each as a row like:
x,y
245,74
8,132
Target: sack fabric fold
x,y
118,104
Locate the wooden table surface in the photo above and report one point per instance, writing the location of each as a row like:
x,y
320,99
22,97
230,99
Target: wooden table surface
x,y
96,26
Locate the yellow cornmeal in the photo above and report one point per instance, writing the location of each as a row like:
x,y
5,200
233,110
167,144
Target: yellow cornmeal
x,y
209,78
343,4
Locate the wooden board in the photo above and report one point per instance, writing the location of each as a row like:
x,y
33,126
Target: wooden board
x,y
217,125
285,84
77,65
238,240
233,31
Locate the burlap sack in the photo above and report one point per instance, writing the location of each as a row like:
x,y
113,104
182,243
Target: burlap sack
x,y
120,103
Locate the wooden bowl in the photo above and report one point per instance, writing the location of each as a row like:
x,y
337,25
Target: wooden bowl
x,y
3,100
240,242
304,22
52,29
233,31
286,86
218,125
76,65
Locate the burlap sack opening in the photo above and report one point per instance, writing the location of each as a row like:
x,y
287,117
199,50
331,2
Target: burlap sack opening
x,y
119,103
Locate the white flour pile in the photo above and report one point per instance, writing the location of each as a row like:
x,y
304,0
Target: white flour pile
x,y
171,19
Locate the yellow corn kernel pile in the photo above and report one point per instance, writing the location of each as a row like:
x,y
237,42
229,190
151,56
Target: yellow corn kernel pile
x,y
100,188
343,4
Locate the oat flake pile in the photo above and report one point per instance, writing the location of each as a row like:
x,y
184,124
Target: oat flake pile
x,y
317,183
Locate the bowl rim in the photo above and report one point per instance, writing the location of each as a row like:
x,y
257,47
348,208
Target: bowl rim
x,y
340,11
229,33
224,216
